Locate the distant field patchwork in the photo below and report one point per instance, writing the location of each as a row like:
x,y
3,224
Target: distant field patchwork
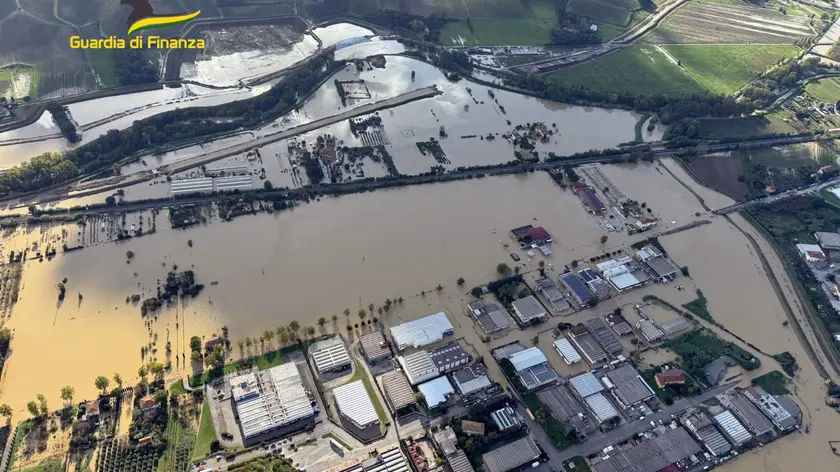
x,y
613,12
82,12
704,23
534,30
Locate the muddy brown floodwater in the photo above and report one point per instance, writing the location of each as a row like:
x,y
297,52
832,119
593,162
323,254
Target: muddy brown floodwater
x,y
348,252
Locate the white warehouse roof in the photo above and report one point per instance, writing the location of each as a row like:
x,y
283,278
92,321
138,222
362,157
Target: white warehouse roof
x,y
281,400
419,367
565,348
354,403
436,391
601,407
421,332
586,384
331,355
527,358
732,427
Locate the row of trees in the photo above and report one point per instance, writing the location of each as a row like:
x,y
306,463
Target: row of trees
x,y
177,125
62,119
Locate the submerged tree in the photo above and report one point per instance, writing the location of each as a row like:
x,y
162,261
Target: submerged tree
x,y
67,394
102,383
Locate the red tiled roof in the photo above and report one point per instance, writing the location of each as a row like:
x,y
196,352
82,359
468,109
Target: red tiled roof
x,y
538,233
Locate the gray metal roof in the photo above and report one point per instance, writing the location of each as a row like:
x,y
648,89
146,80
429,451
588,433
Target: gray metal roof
x,y
548,288
650,456
649,330
537,376
527,358
675,326
828,240
630,388
528,309
588,346
748,413
601,407
586,384
374,346
661,267
619,324
450,356
436,391
713,440
459,463
471,379
421,332
353,402
506,351
511,456
604,336
732,427
398,392
447,440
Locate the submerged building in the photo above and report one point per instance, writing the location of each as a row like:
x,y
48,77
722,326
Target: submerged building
x,y
421,332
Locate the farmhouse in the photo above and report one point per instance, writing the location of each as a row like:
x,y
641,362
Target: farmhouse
x,y
812,254
670,377
472,428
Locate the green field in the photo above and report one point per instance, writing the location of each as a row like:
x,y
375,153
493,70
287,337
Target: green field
x,y
603,11
637,69
794,155
725,69
720,128
206,434
102,60
533,31
825,90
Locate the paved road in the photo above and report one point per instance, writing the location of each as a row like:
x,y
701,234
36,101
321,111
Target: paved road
x,y
628,430
313,125
813,189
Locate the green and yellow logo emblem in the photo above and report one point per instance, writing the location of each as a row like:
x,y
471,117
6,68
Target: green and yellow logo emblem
x,y
143,17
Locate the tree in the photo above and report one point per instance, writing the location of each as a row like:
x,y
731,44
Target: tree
x,y
349,328
216,358
322,321
32,407
5,410
370,308
460,281
334,317
684,270
542,264
604,239
310,331
346,312
362,314
156,369
110,200
143,371
503,269
417,26
118,380
241,345
284,337
476,292
102,383
67,394
43,408
195,343
268,335
294,326
268,185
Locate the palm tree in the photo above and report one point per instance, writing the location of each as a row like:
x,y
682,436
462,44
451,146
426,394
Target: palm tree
x,y
347,313
322,321
118,379
370,308
269,336
284,337
156,368
280,329
334,318
241,345
310,331
362,314
400,300
143,371
102,383
67,394
249,342
5,410
294,326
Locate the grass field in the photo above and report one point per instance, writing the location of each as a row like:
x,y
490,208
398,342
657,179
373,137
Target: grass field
x,y
532,31
604,11
206,434
81,12
102,60
825,90
719,128
637,69
725,69
6,79
794,155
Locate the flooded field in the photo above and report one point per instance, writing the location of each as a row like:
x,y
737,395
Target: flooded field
x,y
332,34
244,52
301,259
